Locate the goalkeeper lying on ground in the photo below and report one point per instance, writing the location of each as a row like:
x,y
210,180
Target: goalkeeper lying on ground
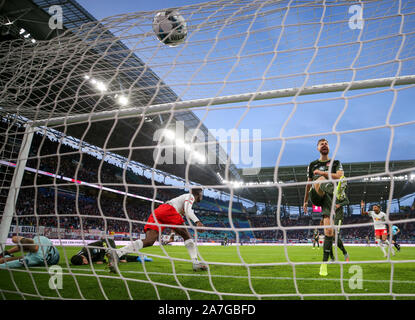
x,y
38,251
95,252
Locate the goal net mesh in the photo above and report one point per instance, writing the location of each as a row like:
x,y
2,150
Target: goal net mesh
x,y
105,103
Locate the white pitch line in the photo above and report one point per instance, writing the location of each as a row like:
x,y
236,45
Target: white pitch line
x,y
264,278
241,277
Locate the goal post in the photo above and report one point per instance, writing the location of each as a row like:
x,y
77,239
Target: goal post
x,y
13,191
255,96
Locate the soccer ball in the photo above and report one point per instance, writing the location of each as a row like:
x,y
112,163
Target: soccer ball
x,y
170,27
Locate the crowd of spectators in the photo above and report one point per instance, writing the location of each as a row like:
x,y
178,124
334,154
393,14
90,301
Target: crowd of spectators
x,y
43,207
71,207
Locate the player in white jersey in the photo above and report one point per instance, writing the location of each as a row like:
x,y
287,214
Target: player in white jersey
x,y
379,220
170,213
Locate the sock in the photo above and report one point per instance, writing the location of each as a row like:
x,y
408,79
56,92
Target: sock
x,y
133,247
341,246
331,254
327,246
380,245
191,248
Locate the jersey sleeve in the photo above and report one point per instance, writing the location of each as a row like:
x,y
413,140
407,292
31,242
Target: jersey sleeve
x,y
309,172
188,211
337,167
12,264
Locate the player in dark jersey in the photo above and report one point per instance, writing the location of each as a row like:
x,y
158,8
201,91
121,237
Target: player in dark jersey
x,y
95,252
92,253
338,220
395,232
322,192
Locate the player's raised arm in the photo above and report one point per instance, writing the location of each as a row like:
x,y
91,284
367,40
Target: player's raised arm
x,y
335,176
307,190
188,210
362,208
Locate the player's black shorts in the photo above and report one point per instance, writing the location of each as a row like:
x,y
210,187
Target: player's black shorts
x,y
324,202
395,237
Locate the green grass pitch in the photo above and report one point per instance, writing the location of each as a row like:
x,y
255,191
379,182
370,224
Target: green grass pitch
x,y
167,280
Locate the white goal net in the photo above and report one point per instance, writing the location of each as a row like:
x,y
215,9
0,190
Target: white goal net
x,y
102,121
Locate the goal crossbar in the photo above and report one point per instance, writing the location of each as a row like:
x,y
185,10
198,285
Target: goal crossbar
x,y
261,95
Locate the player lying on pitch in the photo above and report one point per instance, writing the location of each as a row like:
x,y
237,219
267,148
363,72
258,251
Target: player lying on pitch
x,y
171,213
36,252
95,252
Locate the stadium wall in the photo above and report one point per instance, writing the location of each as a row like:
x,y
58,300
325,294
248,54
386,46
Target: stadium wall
x,y
80,243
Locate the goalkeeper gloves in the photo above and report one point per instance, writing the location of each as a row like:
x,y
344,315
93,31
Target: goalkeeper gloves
x,y
5,253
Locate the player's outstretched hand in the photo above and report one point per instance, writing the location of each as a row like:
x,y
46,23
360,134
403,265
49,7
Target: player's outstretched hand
x,y
305,207
199,224
362,207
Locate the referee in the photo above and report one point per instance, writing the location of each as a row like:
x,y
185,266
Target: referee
x,y
395,231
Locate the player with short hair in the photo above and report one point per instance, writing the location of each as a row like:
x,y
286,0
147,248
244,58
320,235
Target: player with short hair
x,y
395,231
322,193
379,219
171,213
36,252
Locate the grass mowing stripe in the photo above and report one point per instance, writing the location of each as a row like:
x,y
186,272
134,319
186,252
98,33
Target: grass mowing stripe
x,y
271,277
220,276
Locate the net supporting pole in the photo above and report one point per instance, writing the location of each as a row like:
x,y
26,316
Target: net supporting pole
x,y
261,95
16,182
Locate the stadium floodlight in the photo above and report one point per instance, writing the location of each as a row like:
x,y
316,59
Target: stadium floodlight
x,y
123,100
180,143
169,134
101,86
87,77
200,157
22,31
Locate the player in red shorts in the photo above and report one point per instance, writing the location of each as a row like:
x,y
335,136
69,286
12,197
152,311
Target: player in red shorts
x,y
171,213
379,219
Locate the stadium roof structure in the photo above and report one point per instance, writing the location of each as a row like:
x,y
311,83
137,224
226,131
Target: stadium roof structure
x,y
64,80
366,181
